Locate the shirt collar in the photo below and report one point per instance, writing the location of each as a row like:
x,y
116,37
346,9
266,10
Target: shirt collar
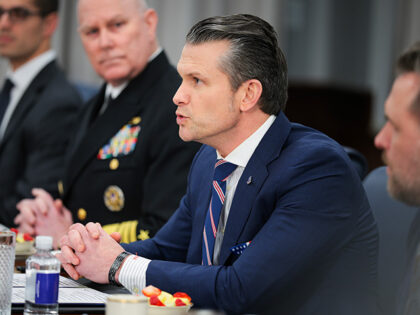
x,y
243,152
114,91
155,54
24,75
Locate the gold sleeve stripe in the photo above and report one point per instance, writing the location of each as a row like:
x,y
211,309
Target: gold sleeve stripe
x,y
127,230
109,228
133,236
124,232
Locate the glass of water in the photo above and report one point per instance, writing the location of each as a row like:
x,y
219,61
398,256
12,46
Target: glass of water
x,y
7,262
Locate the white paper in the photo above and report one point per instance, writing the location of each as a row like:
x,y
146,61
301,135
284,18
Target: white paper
x,y
70,292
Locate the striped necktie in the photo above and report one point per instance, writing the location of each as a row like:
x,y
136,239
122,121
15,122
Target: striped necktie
x,y
5,97
222,171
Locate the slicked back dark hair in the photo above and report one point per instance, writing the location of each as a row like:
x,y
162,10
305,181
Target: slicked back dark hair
x,y
47,6
409,61
254,54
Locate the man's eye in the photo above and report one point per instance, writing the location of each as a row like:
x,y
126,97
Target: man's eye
x,y
117,24
196,80
91,31
19,13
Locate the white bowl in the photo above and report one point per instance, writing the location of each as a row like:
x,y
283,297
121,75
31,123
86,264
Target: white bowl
x,y
168,310
25,248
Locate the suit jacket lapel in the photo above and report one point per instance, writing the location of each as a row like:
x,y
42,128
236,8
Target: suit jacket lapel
x,y
246,192
84,118
28,99
118,113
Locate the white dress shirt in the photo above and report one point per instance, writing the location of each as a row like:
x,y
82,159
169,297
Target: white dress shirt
x,y
22,78
133,271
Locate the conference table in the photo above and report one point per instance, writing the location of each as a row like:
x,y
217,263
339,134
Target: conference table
x,y
85,308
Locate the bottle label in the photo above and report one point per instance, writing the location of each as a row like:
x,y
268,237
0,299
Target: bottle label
x,y
43,289
46,288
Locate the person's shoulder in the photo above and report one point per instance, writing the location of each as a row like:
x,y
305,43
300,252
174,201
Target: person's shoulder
x,y
206,155
59,87
309,150
309,141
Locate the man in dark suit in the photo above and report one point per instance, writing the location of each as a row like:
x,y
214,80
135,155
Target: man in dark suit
x,y
399,140
275,219
37,106
127,168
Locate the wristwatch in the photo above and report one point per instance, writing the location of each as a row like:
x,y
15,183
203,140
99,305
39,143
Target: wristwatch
x,y
115,266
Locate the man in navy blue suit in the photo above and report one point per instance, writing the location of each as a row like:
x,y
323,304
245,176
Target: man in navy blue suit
x,y
275,219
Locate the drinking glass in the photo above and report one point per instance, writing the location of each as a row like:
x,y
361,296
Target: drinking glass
x,y
7,261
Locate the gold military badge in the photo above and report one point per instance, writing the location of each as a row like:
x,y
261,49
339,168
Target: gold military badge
x,y
114,198
81,214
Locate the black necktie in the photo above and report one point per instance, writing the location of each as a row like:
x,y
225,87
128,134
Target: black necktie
x,y
5,97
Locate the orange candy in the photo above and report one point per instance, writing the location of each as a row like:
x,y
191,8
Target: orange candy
x,y
151,291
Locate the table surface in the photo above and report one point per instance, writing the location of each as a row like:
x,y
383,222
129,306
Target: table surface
x,y
17,309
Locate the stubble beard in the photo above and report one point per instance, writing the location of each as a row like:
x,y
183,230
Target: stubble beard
x,y
405,191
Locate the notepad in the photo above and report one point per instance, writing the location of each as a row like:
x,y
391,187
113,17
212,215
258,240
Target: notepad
x,y
70,292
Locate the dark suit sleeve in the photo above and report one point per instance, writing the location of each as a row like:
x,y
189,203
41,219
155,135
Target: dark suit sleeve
x,y
314,200
43,141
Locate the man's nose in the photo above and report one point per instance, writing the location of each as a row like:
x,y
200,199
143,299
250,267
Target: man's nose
x,y
382,138
181,97
5,20
105,39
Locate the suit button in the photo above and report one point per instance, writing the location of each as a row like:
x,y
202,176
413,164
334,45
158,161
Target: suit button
x,y
114,164
60,187
81,214
135,120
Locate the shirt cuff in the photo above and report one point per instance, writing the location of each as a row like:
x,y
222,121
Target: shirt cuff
x,y
133,273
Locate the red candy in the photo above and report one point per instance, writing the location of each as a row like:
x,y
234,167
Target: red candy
x,y
154,300
182,295
27,237
178,302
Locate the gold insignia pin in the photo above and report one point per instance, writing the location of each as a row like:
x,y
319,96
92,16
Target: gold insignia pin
x,y
144,235
114,164
114,198
135,120
60,187
81,214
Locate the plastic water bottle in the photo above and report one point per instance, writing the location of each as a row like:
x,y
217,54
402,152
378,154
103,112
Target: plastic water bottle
x,y
42,277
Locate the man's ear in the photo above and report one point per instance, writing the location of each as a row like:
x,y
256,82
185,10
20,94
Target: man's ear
x,y
50,24
151,18
250,92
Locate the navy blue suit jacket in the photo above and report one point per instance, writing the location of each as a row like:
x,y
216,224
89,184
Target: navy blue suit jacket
x,y
314,240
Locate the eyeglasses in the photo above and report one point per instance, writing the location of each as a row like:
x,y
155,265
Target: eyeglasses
x,y
17,14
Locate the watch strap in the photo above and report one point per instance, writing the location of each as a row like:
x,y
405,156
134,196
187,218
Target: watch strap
x,y
115,266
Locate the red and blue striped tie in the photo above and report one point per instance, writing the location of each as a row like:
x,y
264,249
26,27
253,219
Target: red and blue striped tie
x,y
222,171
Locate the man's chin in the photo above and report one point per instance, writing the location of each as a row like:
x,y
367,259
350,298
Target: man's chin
x,y
402,193
185,136
115,75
